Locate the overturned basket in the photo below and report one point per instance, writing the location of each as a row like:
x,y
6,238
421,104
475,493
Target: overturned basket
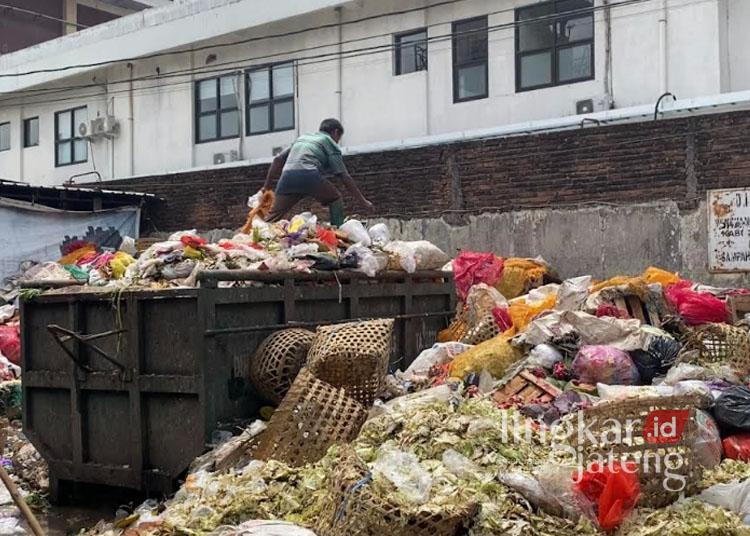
x,y
662,466
350,508
714,345
312,417
277,361
353,356
485,330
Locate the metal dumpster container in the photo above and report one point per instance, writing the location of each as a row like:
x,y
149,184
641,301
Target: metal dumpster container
x,y
126,388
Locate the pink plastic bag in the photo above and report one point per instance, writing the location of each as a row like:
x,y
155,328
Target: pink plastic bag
x,y
10,342
605,364
470,268
696,307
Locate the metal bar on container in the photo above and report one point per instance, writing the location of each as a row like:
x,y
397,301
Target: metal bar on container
x,y
209,276
273,327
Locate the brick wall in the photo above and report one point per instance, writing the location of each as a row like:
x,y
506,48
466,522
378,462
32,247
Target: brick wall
x,y
674,159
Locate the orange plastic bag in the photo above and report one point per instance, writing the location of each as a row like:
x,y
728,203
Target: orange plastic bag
x,y
519,276
75,255
614,487
657,275
521,314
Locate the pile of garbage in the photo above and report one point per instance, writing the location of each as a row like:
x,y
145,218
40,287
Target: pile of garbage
x,y
301,244
546,407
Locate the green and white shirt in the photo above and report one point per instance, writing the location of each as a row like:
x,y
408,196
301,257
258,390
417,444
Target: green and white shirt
x,y
316,151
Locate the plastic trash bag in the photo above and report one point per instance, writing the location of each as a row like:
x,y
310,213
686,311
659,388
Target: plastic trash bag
x,y
441,393
732,409
707,448
413,256
379,234
370,262
614,488
303,221
696,307
440,354
658,359
471,267
734,496
737,447
263,528
654,275
460,465
604,364
356,232
10,342
403,470
544,355
494,356
179,270
572,293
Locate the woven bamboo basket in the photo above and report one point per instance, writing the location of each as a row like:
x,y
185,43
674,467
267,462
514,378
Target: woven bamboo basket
x,y
353,356
485,330
657,462
718,344
350,508
277,361
313,416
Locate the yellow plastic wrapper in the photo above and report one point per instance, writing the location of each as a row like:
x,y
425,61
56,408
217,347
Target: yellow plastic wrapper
x,y
494,356
192,253
657,275
519,276
73,256
120,263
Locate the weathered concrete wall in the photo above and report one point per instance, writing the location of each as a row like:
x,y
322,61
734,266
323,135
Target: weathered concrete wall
x,y
602,241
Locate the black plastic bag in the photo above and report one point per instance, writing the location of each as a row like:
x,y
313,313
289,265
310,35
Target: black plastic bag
x,y
657,360
732,409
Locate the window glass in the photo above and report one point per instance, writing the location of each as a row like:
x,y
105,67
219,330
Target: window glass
x,y
207,95
64,153
536,69
228,92
536,35
411,51
472,81
80,115
4,136
259,119
283,115
31,132
80,150
283,80
64,131
574,62
259,85
230,124
207,127
471,40
569,30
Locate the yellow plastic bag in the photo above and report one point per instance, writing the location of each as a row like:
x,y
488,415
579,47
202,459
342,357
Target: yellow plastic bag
x,y
657,275
521,313
120,263
519,276
494,356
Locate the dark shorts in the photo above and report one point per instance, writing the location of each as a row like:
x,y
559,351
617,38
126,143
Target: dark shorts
x,y
299,182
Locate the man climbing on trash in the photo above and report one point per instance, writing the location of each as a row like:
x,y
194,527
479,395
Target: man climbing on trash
x,y
302,168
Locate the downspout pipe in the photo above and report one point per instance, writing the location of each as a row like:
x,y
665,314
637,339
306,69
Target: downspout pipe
x,y
340,77
131,125
663,52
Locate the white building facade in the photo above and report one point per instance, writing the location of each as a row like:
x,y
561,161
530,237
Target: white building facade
x,y
207,82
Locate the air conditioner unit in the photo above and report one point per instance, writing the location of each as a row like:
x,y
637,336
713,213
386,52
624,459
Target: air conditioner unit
x,y
223,158
84,130
594,104
106,126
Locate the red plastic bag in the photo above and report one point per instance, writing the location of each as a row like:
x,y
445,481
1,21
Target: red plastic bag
x,y
607,309
502,318
10,342
470,268
737,447
696,307
194,242
614,488
327,237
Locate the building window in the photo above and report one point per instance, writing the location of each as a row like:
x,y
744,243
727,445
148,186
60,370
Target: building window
x,y
70,147
556,49
470,59
411,51
4,136
31,132
217,113
270,98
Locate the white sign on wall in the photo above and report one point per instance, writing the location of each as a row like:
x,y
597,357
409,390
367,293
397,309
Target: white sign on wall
x,y
729,230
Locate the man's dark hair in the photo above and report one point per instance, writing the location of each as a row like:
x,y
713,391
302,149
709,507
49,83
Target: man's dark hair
x,y
329,126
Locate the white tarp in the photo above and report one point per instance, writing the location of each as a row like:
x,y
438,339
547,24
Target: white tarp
x,y
38,233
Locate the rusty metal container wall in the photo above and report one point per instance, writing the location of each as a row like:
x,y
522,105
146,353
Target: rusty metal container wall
x,y
133,408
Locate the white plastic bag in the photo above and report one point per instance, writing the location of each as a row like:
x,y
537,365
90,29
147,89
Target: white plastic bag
x,y
263,528
440,354
417,255
303,221
371,262
460,465
734,496
573,293
176,237
254,200
441,393
544,355
356,232
403,470
299,251
128,246
379,234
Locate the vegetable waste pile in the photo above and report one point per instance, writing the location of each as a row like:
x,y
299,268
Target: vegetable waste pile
x,y
298,245
546,407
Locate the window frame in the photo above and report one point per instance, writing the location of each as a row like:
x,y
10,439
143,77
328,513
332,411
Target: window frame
x,y
397,45
25,131
4,123
455,65
271,100
74,137
555,48
218,111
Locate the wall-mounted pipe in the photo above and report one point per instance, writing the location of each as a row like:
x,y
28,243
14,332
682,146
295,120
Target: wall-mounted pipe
x,y
340,77
658,103
131,124
663,49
